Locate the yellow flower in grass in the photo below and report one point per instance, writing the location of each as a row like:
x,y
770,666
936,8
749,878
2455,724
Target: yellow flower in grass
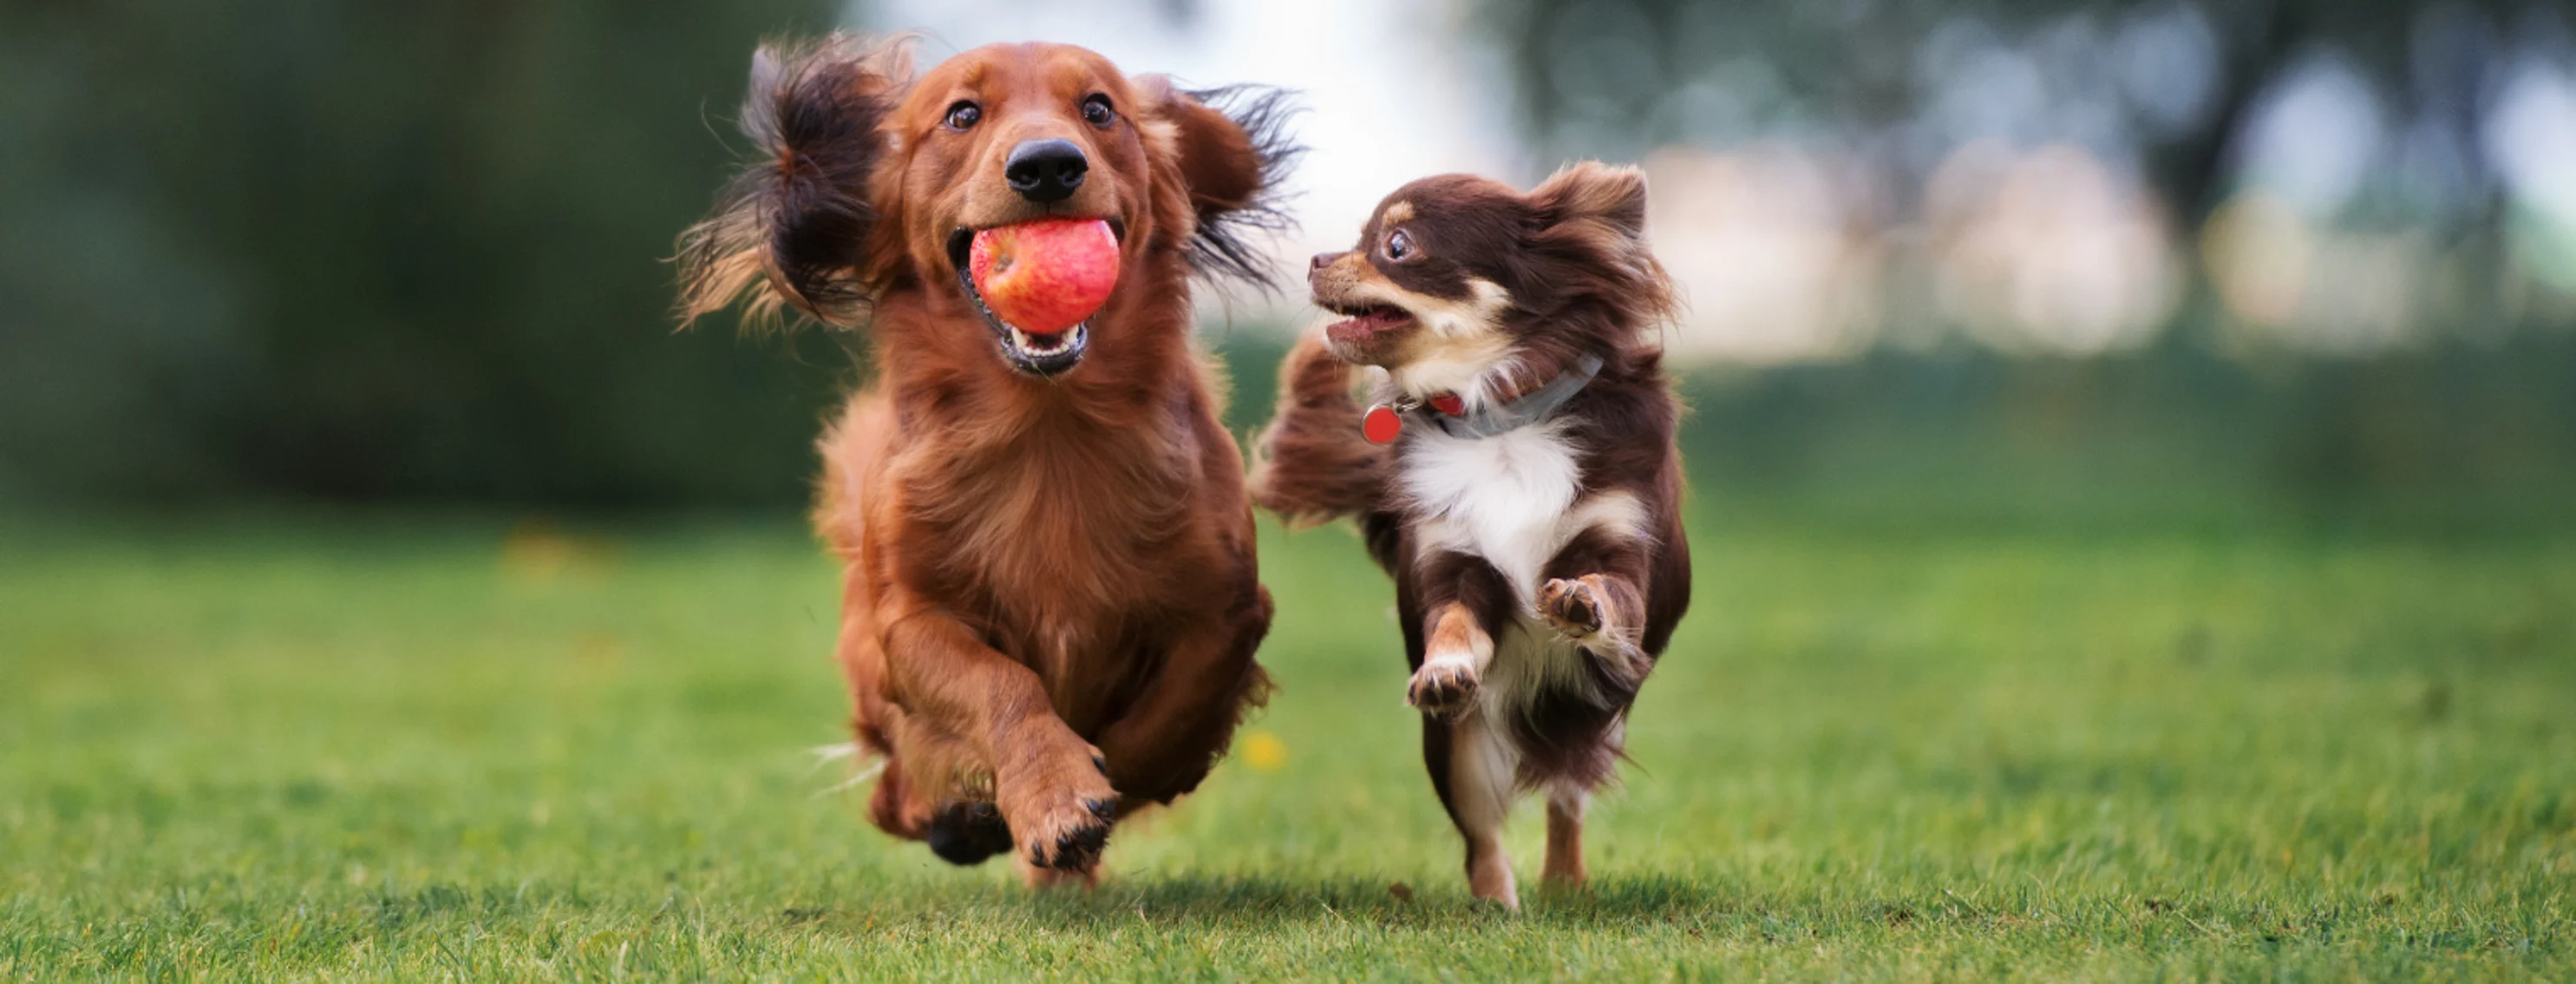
x,y
1264,752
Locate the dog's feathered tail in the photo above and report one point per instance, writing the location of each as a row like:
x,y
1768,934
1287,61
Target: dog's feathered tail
x,y
1311,465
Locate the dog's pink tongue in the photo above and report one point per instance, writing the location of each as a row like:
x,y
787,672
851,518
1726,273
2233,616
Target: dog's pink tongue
x,y
1346,331
1358,328
1044,277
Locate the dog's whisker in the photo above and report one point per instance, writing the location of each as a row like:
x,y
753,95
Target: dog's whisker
x,y
856,779
828,754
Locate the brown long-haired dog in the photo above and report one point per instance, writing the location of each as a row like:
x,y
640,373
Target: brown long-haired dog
x,y
1050,604
1527,501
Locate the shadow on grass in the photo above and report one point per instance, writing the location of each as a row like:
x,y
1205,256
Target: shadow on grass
x,y
1219,902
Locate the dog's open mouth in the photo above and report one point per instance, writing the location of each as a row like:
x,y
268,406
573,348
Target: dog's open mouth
x,y
1363,322
1036,353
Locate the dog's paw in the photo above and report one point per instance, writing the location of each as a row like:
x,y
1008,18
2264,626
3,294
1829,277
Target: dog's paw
x,y
967,833
1060,816
1571,606
1071,839
1442,688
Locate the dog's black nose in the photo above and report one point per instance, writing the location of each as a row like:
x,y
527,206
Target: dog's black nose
x,y
1045,170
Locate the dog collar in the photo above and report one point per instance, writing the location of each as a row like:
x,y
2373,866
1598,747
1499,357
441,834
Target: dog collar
x,y
1384,421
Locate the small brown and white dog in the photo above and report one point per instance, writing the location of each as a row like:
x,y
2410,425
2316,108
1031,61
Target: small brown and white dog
x,y
1516,477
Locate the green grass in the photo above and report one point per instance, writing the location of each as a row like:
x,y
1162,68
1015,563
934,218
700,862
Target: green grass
x,y
363,748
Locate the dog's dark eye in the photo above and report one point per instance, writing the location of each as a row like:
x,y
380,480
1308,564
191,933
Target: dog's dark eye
x,y
1399,244
964,114
1096,111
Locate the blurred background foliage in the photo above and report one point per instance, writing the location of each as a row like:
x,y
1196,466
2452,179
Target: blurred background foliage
x,y
358,251
1986,257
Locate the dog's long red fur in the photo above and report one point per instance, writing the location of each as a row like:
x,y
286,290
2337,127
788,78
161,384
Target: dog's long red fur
x,y
1050,603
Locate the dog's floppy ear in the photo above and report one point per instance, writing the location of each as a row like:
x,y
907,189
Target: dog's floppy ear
x,y
1232,150
794,227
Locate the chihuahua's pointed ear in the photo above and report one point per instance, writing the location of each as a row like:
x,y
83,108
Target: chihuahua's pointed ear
x,y
1613,197
1589,223
1231,150
794,228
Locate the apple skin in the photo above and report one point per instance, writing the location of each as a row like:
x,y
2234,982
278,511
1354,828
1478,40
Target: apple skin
x,y
1045,276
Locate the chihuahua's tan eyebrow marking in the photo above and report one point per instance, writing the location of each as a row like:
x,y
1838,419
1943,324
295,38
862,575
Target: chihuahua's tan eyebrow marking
x,y
1397,214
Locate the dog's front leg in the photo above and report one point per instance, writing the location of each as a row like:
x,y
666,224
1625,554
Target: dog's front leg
x,y
1593,593
1464,602
1048,783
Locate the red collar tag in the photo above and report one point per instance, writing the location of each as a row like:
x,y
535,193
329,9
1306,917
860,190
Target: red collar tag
x,y
1381,424
1384,421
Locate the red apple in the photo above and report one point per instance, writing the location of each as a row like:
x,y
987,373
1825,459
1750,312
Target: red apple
x,y
1044,277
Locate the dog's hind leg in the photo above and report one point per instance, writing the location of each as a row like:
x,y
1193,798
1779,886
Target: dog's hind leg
x,y
1173,734
1565,805
1472,766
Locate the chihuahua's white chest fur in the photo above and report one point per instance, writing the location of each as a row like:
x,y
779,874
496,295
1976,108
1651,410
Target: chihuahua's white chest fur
x,y
1515,500
1505,498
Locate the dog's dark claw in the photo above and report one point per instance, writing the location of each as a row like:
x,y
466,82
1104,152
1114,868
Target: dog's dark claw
x,y
1077,850
1442,690
1078,847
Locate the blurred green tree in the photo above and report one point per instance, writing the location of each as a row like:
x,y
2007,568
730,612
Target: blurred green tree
x,y
357,250
1866,68
407,251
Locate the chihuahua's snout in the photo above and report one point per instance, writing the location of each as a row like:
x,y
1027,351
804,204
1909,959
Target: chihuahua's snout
x,y
1327,276
1045,171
